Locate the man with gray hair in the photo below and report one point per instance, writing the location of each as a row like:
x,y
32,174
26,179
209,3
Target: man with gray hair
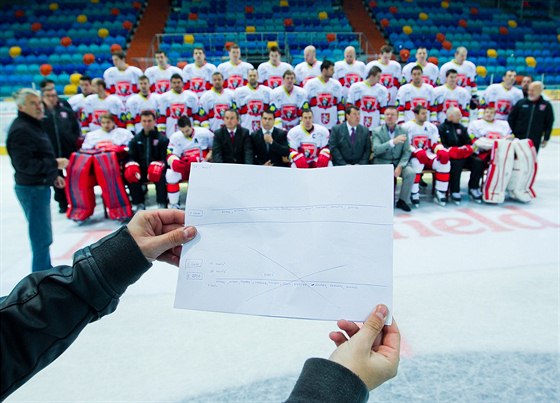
x,y
36,169
532,117
455,138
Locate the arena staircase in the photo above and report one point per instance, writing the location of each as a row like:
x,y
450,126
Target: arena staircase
x,y
360,20
152,23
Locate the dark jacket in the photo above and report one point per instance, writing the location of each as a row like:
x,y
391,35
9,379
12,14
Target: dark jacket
x,y
63,129
343,152
31,152
240,151
453,134
145,149
275,151
532,120
47,310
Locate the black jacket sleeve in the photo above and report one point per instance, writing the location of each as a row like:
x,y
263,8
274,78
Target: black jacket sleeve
x,y
217,148
548,121
280,144
334,147
247,147
47,310
367,150
326,381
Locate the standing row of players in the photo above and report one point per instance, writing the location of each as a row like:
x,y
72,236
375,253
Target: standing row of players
x,y
203,92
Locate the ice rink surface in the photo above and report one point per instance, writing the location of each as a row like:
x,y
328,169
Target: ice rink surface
x,y
476,296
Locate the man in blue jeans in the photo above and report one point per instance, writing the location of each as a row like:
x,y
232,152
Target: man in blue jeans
x,y
36,170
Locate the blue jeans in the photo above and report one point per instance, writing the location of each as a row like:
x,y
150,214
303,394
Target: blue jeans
x,y
36,204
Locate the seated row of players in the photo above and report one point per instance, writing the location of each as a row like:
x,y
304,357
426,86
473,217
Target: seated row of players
x,y
166,162
323,94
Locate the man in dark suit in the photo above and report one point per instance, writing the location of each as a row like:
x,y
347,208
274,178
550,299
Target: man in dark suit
x,y
270,144
350,142
232,143
391,146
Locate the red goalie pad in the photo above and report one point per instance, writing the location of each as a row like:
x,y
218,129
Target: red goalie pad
x,y
108,174
80,181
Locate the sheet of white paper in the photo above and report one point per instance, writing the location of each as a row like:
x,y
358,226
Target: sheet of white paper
x,y
300,243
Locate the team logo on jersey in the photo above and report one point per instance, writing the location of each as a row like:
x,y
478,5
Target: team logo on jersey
x,y
162,86
325,100
309,150
386,80
123,88
426,79
420,141
197,84
325,118
289,112
256,125
419,101
274,82
461,80
192,154
235,81
368,121
177,110
351,78
220,110
369,104
494,135
503,106
448,103
96,115
255,107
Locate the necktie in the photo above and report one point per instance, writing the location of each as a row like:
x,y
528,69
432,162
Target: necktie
x,y
232,135
267,145
353,136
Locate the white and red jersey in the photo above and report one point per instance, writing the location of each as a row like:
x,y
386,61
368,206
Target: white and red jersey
x,y
95,107
308,143
410,95
198,79
425,136
497,129
118,136
160,79
390,77
500,98
288,106
122,83
325,100
78,102
371,100
271,75
137,104
172,106
213,105
348,74
445,97
250,103
305,72
430,73
466,74
235,75
200,143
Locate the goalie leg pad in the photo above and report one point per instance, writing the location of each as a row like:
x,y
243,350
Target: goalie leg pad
x,y
499,172
524,171
108,174
80,181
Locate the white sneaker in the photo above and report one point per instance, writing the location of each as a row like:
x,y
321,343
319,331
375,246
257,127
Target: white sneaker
x,y
440,198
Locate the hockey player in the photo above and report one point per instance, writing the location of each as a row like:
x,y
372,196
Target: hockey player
x,y
451,95
99,103
251,100
214,103
174,104
371,98
512,162
502,97
198,75
234,70
78,101
138,103
430,71
324,95
308,69
160,74
466,71
427,152
288,102
108,136
415,93
122,79
147,153
272,71
349,70
309,144
391,73
187,145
